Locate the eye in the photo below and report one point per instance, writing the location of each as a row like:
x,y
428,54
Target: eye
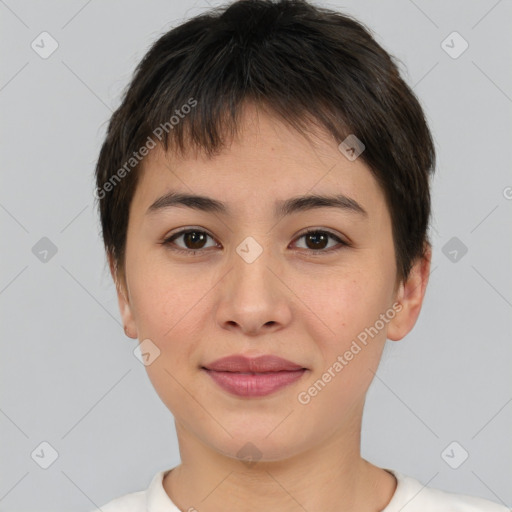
x,y
317,240
193,240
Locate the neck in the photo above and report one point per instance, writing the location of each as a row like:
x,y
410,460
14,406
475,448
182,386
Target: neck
x,y
330,477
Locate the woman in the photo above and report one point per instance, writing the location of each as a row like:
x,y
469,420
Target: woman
x,y
264,199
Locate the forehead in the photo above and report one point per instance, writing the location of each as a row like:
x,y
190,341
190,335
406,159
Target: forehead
x,y
266,161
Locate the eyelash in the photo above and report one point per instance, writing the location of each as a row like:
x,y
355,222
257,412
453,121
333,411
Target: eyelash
x,y
191,252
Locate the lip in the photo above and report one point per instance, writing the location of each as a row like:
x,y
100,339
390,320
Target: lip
x,y
253,377
260,364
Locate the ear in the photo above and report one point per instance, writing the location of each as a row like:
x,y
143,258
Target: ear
x,y
123,295
410,295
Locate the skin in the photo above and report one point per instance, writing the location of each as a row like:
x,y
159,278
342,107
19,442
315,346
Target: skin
x,y
302,305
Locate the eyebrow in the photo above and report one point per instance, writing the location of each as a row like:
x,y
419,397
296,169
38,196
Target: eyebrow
x,y
282,208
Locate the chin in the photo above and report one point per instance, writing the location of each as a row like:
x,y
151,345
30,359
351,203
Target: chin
x,y
253,446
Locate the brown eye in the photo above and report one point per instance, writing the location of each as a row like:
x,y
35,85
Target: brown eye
x,y
317,240
191,240
194,239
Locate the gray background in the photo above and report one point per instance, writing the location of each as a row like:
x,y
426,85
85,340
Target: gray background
x,y
69,376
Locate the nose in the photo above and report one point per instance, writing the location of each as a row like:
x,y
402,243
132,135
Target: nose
x,y
252,297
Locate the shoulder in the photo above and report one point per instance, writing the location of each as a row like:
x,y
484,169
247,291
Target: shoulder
x,y
133,502
412,496
152,499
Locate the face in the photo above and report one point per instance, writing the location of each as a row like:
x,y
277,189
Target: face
x,y
245,278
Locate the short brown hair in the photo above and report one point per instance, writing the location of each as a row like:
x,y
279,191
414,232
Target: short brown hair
x,y
304,63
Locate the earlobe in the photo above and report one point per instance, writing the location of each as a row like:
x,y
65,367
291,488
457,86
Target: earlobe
x,y
126,313
129,325
410,295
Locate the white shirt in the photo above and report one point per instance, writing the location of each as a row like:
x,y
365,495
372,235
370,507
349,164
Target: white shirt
x,y
410,496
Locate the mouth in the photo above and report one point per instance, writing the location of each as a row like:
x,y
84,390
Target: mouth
x,y
253,377
254,384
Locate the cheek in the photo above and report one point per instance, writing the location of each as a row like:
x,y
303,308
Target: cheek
x,y
162,295
347,358
352,308
347,304
170,308
166,306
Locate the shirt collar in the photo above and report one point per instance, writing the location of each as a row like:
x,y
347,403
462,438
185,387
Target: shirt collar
x,y
156,497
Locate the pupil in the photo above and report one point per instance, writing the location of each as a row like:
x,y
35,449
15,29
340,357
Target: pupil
x,y
317,237
193,238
